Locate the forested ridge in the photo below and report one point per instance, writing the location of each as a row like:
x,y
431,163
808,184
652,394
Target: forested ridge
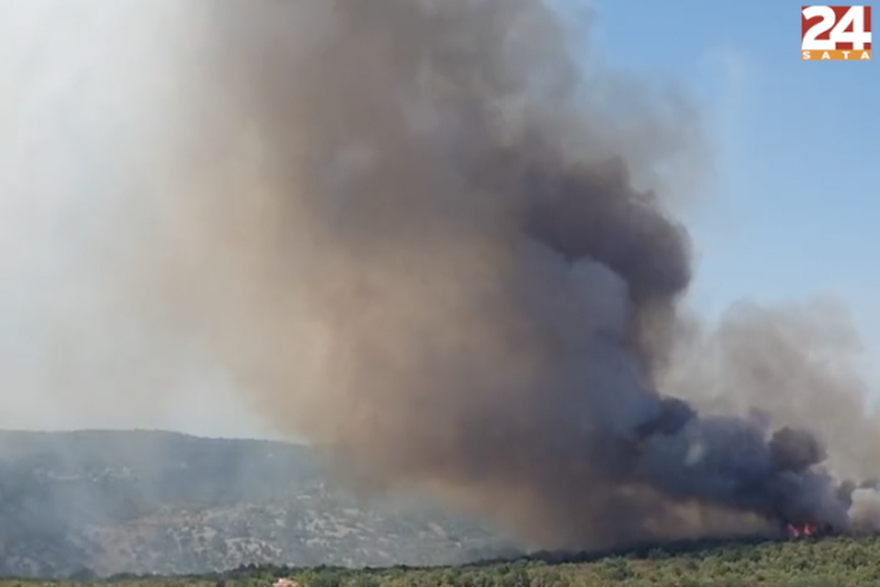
x,y
838,561
86,508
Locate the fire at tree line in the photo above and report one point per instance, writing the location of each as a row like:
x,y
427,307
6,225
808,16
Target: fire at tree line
x,y
135,481
456,218
462,269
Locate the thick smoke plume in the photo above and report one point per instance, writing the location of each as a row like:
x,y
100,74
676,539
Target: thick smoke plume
x,y
424,235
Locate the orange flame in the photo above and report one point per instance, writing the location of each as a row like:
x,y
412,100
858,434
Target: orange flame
x,y
804,530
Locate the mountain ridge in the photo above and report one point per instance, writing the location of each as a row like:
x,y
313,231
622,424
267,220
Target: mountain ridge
x,y
153,501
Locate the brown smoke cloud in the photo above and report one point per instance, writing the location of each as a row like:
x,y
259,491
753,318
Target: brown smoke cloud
x,y
419,234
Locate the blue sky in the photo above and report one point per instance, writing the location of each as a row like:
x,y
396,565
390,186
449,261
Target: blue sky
x,y
794,209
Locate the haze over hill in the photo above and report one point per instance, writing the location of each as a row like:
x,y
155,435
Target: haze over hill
x,y
159,502
425,234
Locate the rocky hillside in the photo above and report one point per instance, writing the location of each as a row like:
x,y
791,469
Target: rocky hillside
x,y
158,502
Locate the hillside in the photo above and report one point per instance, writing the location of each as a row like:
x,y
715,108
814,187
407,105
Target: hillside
x,y
807,563
834,562
161,504
166,503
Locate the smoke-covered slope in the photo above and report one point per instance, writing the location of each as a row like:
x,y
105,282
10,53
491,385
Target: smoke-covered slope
x,y
441,239
157,502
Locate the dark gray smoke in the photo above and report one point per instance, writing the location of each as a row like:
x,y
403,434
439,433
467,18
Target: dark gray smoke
x,y
419,233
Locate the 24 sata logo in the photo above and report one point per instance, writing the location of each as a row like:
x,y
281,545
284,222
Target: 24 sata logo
x,y
836,33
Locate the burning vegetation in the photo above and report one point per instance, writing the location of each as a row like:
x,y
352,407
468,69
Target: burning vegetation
x,y
433,238
807,530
